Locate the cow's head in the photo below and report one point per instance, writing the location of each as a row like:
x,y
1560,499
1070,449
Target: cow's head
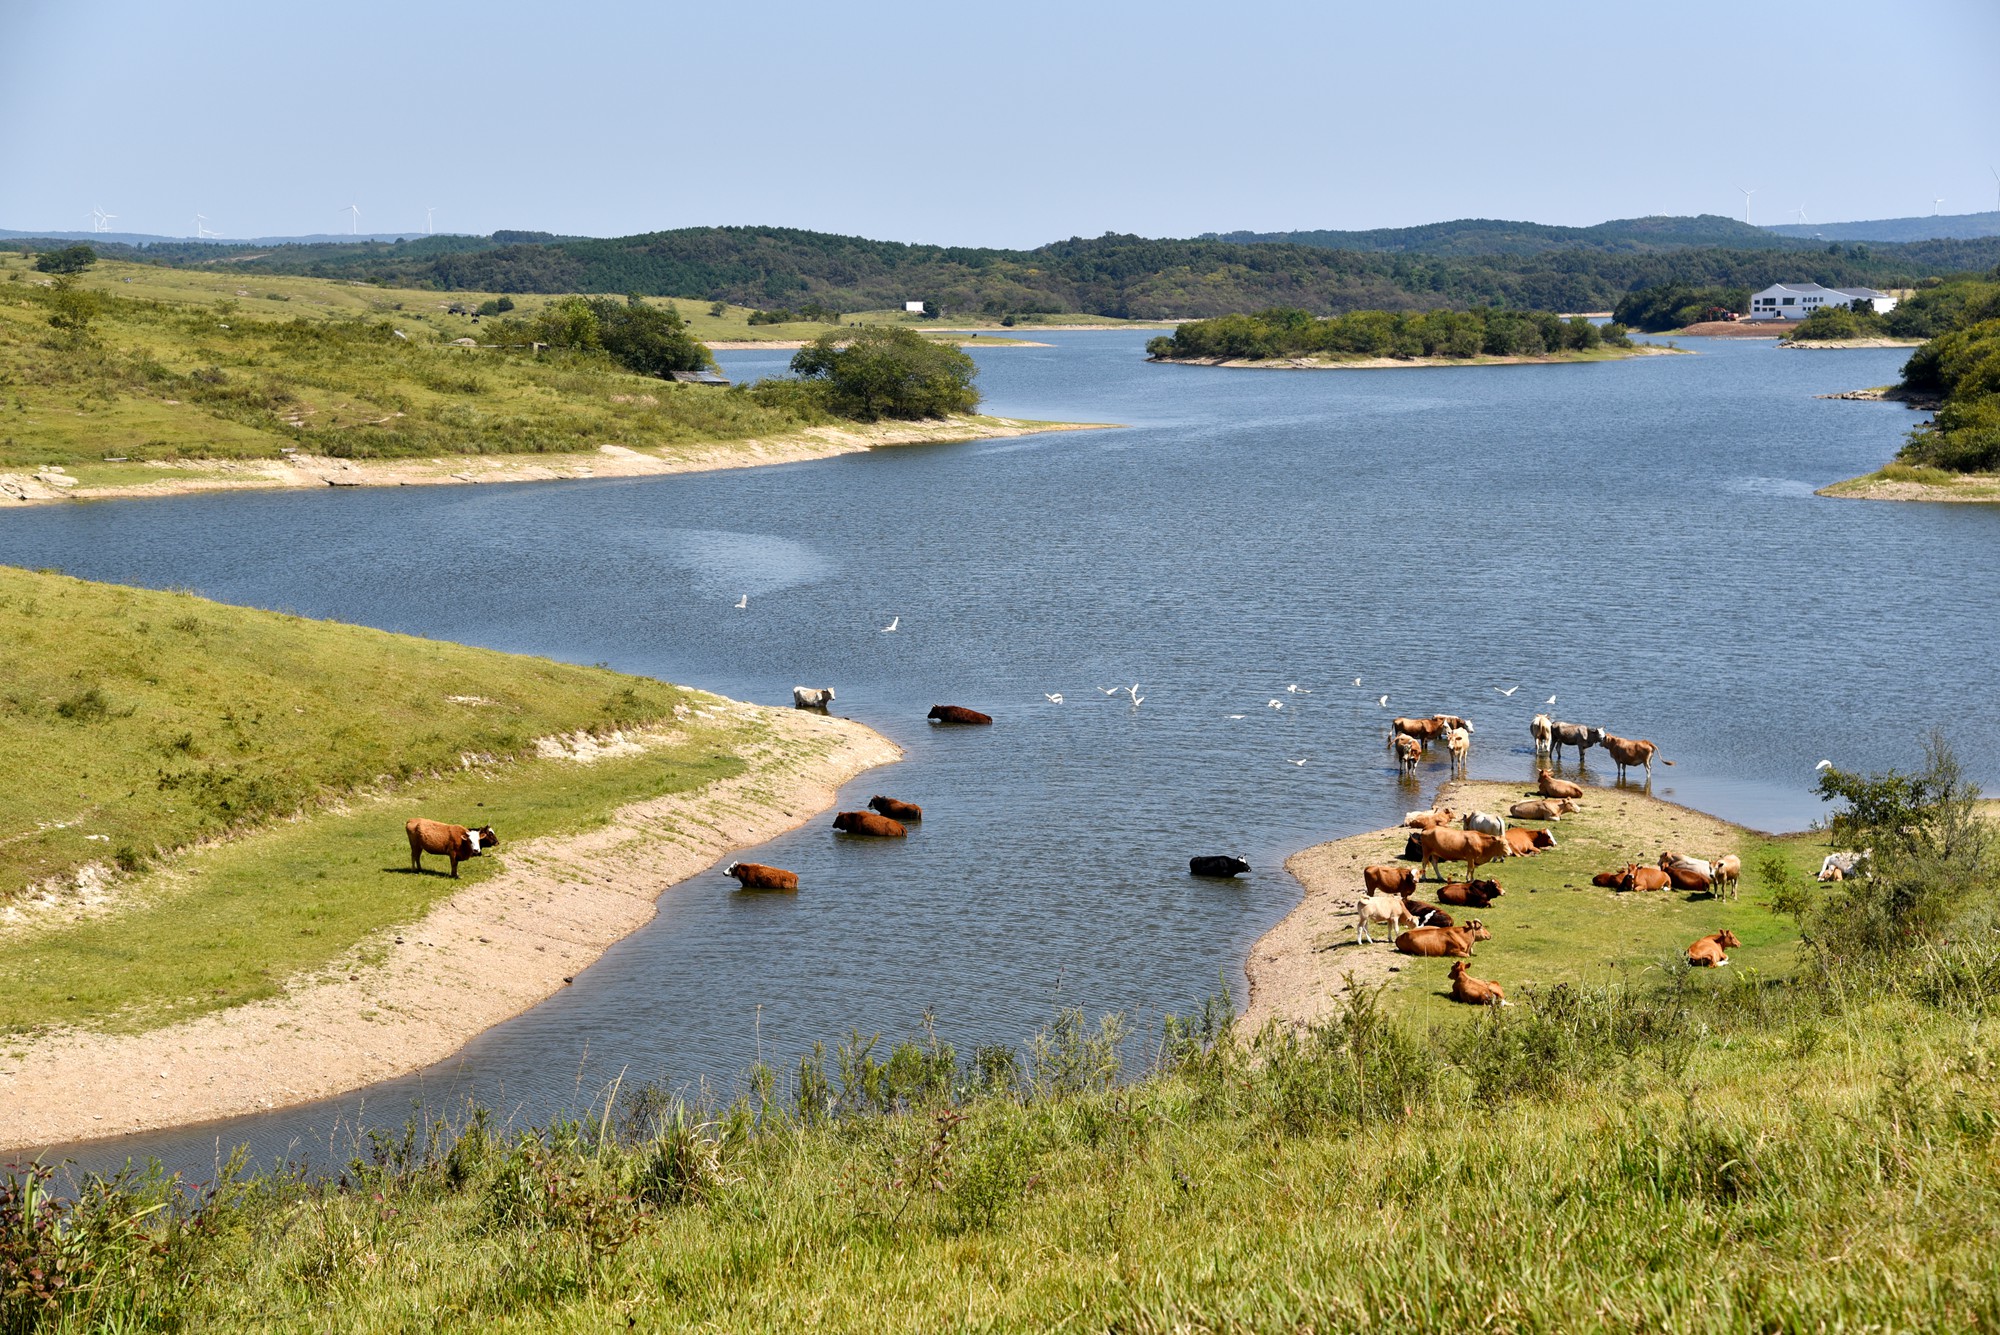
x,y
730,870
1727,939
1458,970
1477,930
1489,888
1543,839
479,840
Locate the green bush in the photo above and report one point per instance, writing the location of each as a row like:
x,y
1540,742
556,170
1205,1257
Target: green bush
x,y
886,371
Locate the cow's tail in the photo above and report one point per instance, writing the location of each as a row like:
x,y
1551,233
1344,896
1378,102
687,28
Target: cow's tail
x,y
1666,762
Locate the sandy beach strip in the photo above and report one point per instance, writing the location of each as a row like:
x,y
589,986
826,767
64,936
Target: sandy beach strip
x,y
991,340
181,477
1409,363
1301,969
488,953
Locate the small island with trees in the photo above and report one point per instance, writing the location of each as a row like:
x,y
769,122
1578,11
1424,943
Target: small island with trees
x,y
1293,339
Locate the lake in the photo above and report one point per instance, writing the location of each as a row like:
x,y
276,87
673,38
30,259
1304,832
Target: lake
x,y
1638,539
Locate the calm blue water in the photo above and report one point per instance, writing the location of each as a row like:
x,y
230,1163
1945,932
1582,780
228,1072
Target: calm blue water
x,y
1638,539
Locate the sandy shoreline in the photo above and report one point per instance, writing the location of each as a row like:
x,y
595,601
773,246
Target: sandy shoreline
x,y
1403,363
182,477
1837,344
487,954
1300,970
993,340
1970,489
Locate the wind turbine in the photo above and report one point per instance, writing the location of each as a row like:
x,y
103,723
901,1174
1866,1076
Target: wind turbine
x,y
1746,204
1802,215
201,227
98,217
353,212
429,209
1934,206
1996,188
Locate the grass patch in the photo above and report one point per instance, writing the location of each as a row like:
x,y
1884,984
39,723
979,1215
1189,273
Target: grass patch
x,y
140,724
1604,1162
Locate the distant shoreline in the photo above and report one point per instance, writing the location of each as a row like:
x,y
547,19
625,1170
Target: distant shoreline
x,y
1400,363
137,480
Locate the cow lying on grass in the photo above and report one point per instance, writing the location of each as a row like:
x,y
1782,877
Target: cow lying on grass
x,y
1438,941
1707,952
1474,991
453,842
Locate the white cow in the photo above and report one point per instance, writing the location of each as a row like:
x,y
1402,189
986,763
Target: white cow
x,y
1390,910
812,697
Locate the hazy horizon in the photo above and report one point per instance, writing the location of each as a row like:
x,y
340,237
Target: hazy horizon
x,y
1007,128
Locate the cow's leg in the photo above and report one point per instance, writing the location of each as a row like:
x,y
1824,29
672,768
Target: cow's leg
x,y
454,867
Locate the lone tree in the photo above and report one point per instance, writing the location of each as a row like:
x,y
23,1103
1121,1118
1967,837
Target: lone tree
x,y
885,371
68,260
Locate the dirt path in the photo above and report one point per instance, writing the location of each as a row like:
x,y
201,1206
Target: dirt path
x,y
485,955
1302,967
180,477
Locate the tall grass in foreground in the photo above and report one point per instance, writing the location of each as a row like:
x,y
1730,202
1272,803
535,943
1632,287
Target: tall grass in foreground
x,y
1758,1156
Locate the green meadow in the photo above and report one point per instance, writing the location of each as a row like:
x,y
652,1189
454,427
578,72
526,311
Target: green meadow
x,y
230,785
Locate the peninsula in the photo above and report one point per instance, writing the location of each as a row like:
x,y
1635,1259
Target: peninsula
x,y
1370,340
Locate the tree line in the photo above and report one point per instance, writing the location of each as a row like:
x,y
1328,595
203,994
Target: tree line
x,y
1486,331
1113,275
1961,365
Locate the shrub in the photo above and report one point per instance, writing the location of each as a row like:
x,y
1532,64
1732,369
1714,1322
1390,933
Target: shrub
x,y
879,371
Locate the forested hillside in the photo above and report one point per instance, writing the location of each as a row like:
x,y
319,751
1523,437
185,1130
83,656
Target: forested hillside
x,y
1112,275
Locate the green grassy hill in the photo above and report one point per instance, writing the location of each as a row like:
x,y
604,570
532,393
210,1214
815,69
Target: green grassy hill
x,y
142,726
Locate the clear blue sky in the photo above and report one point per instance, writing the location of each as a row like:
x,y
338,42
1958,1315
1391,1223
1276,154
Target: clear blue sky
x,y
1009,122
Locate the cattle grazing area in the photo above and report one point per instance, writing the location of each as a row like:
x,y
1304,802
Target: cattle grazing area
x,y
1549,924
204,800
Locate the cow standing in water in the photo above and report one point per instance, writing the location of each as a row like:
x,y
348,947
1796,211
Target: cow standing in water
x,y
454,842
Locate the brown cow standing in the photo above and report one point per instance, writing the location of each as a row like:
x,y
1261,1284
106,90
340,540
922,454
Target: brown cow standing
x,y
454,842
869,824
1474,991
1707,952
1408,752
1626,753
908,812
1425,730
1389,880
1435,941
757,876
1468,846
959,714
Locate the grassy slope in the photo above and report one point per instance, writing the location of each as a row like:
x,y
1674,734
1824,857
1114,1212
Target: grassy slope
x,y
184,365
156,721
1765,1165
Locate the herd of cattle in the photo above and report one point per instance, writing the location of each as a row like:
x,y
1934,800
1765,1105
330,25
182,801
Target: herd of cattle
x,y
1442,838
1438,838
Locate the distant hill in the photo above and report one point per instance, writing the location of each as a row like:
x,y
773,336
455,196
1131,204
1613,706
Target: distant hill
x,y
1953,226
148,239
1490,236
1127,276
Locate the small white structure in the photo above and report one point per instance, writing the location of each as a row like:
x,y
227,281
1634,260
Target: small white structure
x,y
914,307
1795,301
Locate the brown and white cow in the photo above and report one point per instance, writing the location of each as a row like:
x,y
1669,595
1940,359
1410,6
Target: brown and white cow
x,y
1387,880
1429,820
456,843
1526,843
757,876
1727,871
1408,752
1645,878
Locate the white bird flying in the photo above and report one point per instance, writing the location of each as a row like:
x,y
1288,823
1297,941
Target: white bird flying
x,y
1055,699
1551,700
1301,762
1111,690
743,602
1357,681
1297,689
894,622
1384,702
1824,764
1137,699
1509,691
1232,716
1274,704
